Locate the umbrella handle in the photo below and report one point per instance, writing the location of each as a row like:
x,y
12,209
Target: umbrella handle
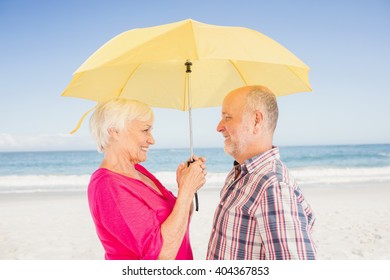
x,y
196,194
196,202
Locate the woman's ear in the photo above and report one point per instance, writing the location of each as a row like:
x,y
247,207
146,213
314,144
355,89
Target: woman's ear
x,y
113,132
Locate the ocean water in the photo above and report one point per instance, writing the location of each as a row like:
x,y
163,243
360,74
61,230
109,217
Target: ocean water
x,y
311,165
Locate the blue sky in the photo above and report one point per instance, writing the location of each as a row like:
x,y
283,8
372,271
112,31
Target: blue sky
x,y
345,43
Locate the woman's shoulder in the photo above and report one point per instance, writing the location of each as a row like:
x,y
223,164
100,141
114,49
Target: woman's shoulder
x,y
105,179
105,183
100,177
101,174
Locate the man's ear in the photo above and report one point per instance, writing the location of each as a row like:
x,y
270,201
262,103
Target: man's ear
x,y
259,121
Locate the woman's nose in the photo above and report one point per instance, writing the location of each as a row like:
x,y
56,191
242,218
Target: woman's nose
x,y
151,139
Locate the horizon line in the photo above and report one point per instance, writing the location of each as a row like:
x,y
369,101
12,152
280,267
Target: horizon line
x,y
187,148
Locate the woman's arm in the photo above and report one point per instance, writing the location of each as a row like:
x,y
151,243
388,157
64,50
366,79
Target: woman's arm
x,y
189,179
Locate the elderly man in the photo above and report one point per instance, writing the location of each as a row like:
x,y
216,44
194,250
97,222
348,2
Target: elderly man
x,y
262,213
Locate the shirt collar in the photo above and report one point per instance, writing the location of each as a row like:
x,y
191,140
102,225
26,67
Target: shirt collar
x,y
253,163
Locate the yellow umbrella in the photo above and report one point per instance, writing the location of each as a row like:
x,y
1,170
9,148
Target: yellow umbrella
x,y
148,64
156,65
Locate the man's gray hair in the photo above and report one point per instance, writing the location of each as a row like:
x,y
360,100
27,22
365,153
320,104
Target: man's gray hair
x,y
263,99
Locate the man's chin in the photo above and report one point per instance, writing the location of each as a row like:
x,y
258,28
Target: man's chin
x,y
228,150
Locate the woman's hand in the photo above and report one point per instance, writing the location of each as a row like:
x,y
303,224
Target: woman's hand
x,y
191,178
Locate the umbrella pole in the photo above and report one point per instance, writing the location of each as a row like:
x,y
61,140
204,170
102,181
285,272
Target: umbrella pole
x,y
188,65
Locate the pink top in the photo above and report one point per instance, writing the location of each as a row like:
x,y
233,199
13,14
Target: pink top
x,y
128,215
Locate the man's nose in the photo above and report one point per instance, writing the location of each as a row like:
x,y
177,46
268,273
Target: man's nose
x,y
220,126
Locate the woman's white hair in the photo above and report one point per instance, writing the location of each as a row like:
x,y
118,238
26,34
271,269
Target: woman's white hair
x,y
116,113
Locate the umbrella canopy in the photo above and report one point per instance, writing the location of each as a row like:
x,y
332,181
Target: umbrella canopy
x,y
148,64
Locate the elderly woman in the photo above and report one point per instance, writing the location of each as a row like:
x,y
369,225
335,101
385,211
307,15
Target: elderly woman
x,y
135,216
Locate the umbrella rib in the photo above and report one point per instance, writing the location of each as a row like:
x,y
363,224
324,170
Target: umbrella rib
x,y
187,75
127,80
142,45
195,40
238,71
306,84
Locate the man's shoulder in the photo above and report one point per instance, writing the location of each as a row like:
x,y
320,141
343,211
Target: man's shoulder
x,y
274,172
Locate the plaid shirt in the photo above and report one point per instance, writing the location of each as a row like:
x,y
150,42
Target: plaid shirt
x,y
262,214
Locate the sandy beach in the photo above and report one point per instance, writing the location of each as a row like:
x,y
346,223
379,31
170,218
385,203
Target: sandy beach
x,y
352,224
